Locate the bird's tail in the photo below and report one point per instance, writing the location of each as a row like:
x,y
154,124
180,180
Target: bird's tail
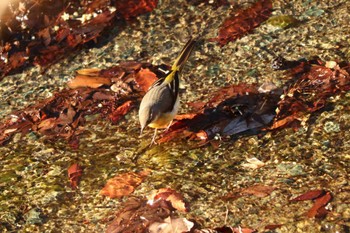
x,y
181,59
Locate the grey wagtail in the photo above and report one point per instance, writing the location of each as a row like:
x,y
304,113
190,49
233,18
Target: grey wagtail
x,y
161,102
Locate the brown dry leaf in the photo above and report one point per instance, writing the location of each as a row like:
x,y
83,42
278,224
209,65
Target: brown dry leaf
x,y
123,184
258,190
171,225
88,81
74,174
145,78
309,195
121,111
170,195
47,124
89,72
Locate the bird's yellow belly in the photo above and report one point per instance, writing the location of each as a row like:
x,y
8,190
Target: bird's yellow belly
x,y
165,119
162,121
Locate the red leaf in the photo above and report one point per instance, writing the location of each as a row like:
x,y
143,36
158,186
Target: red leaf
x,y
310,195
244,22
132,8
170,195
319,203
74,174
123,184
121,111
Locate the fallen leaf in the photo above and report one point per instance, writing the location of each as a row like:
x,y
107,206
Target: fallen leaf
x,y
243,22
319,204
145,78
123,184
121,111
258,190
88,81
273,226
171,225
253,163
74,174
226,229
309,195
169,195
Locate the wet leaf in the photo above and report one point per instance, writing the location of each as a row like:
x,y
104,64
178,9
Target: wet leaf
x,y
259,190
282,21
226,229
74,174
253,163
53,29
243,22
309,93
123,184
121,111
171,225
310,195
318,205
170,195
273,226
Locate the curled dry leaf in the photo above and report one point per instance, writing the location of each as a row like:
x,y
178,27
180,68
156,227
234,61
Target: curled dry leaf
x,y
123,184
170,195
74,174
171,225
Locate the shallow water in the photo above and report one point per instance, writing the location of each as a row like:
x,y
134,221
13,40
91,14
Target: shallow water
x,y
35,193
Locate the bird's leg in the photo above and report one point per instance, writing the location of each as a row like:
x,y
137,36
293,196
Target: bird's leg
x,y
154,137
167,128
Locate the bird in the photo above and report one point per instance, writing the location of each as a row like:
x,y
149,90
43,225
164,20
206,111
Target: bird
x,y
161,102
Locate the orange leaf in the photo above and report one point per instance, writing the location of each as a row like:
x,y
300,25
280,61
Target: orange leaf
x,y
88,81
121,111
145,78
123,184
258,190
170,195
319,203
74,174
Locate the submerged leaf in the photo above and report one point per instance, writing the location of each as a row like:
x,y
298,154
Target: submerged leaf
x,y
244,21
282,21
74,174
123,184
